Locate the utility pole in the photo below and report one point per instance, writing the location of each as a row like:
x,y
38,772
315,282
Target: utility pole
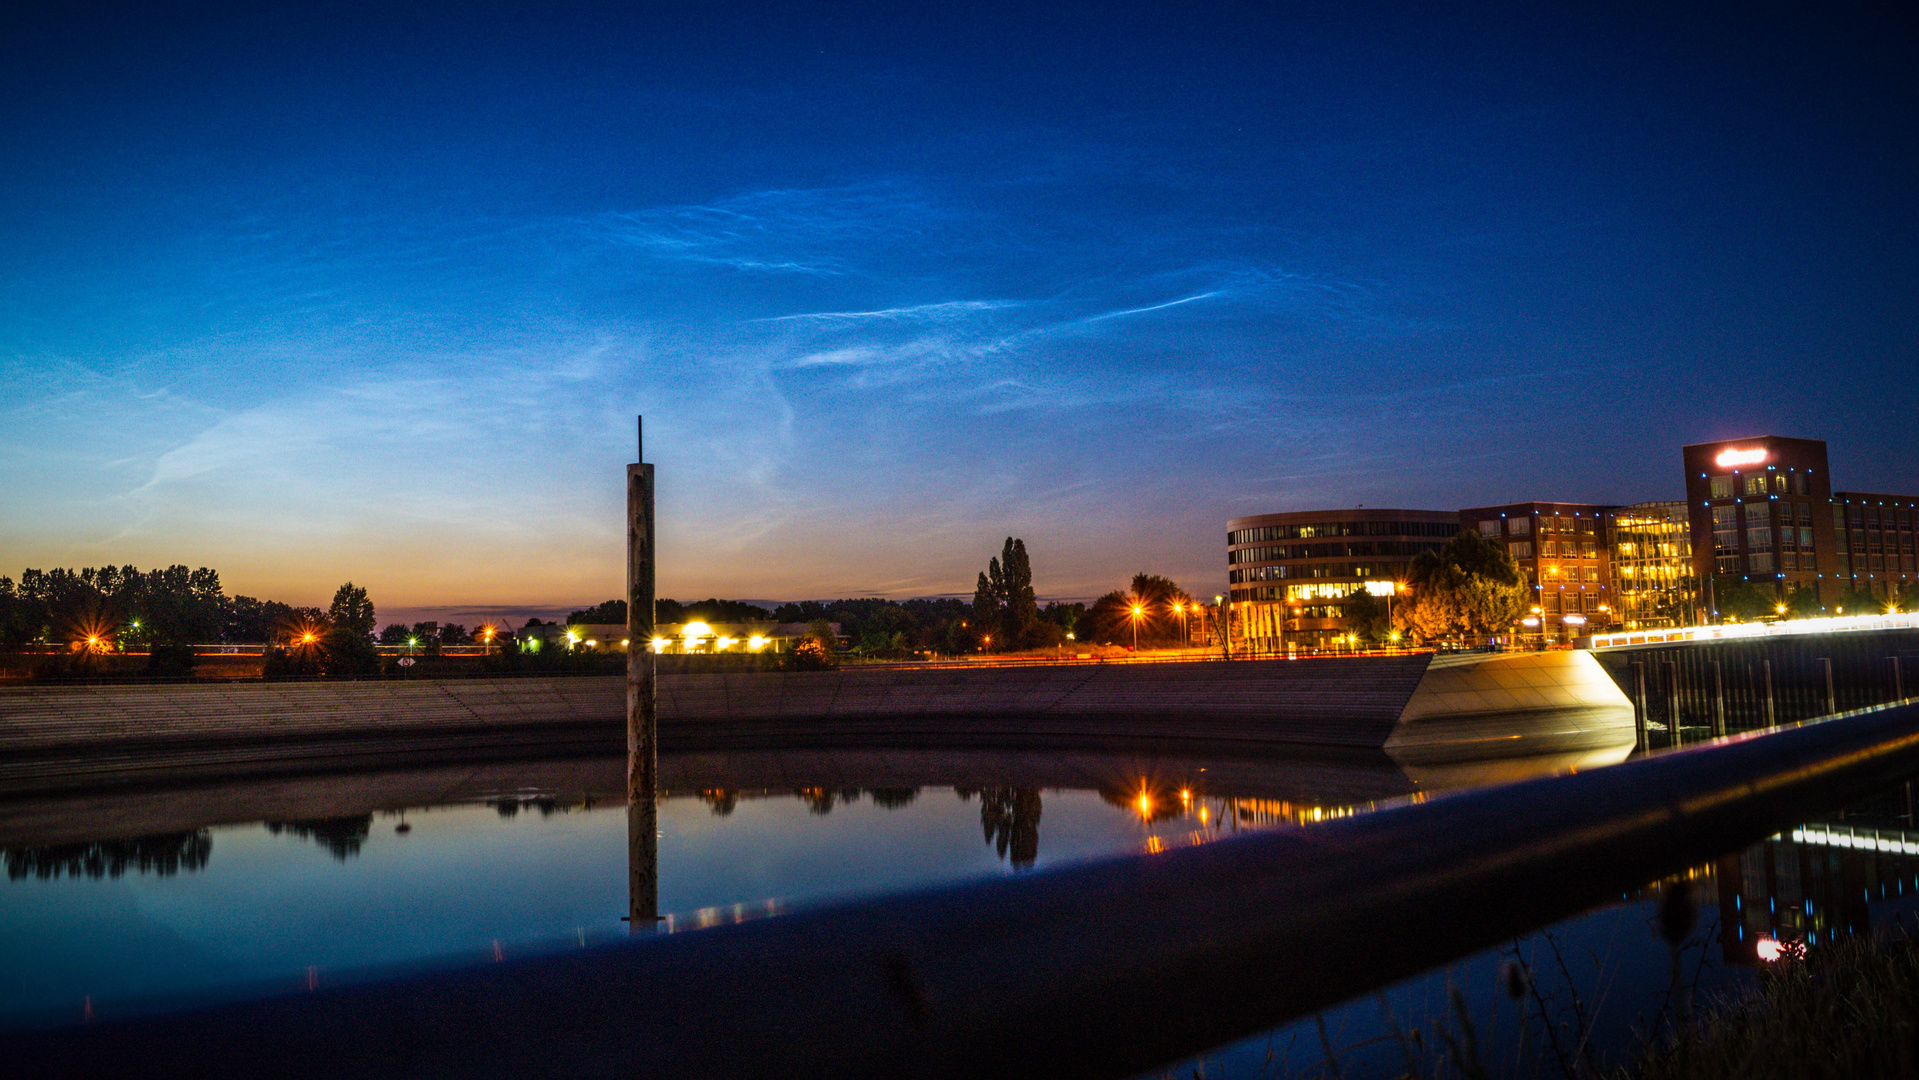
x,y
642,708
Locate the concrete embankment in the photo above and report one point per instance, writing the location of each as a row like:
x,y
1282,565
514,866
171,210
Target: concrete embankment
x,y
63,737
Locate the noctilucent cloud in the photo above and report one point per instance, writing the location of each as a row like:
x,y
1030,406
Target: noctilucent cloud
x,y
375,294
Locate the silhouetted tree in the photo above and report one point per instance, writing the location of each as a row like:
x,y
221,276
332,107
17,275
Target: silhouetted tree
x,y
1003,603
1366,616
348,643
1111,619
1010,819
341,836
163,855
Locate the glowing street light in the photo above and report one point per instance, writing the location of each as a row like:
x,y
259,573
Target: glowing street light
x,y
1137,612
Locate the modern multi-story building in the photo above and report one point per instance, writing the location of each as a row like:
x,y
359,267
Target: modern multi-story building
x,y
1874,538
1290,574
1649,549
1758,513
1561,548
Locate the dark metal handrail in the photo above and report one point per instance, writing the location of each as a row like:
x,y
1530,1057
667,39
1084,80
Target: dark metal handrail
x,y
1104,969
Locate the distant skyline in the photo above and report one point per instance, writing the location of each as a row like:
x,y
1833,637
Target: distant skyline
x,y
370,294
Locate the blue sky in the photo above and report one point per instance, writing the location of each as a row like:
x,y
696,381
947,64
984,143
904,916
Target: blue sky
x,y
316,294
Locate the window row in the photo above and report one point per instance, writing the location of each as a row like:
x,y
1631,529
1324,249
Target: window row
x,y
1760,483
1336,550
1444,529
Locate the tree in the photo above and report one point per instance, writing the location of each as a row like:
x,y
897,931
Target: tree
x,y
427,636
1468,589
1858,600
604,614
351,611
1744,601
347,647
395,634
1112,619
1803,602
1004,605
1367,616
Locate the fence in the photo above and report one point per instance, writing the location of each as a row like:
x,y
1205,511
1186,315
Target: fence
x,y
1704,687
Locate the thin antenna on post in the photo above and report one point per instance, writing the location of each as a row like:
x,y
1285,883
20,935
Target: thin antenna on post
x,y
639,440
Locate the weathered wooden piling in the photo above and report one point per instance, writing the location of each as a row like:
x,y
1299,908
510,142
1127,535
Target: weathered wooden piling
x,y
642,701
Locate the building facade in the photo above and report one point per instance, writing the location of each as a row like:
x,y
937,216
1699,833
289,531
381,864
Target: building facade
x,y
1290,574
1561,549
1649,551
1759,513
1873,536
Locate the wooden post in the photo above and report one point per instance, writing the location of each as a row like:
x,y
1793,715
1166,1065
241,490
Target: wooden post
x,y
1772,714
1672,703
642,713
1718,699
1639,704
1832,699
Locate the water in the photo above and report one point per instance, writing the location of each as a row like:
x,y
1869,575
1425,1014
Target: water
x,y
114,905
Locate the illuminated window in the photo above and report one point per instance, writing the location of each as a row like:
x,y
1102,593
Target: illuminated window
x,y
1489,528
1722,487
1548,549
1592,573
1755,484
1522,549
1519,527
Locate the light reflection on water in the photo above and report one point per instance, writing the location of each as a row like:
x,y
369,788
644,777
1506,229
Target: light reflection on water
x,y
275,892
289,901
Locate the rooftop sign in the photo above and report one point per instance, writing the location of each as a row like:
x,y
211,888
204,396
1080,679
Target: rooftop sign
x,y
1733,457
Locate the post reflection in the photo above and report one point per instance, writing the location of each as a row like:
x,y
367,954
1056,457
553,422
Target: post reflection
x,y
642,852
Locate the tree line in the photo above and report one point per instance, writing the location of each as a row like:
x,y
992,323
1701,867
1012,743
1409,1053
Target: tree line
x,y
130,606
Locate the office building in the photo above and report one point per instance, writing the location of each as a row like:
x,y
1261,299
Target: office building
x,y
1649,555
1873,537
1561,549
1289,574
1759,513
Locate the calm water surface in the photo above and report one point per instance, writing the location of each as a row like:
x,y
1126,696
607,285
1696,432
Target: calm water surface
x,y
123,904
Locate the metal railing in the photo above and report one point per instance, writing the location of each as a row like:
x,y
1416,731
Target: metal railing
x,y
1103,969
1742,631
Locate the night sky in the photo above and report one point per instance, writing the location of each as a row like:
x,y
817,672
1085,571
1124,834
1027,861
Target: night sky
x,y
375,294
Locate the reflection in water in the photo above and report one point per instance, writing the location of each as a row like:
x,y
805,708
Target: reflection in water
x,y
509,806
820,800
340,835
891,798
1821,882
1010,819
163,855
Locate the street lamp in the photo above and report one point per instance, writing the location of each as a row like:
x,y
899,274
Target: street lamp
x,y
1137,612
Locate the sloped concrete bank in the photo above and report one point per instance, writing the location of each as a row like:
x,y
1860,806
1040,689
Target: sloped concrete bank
x,y
1412,707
